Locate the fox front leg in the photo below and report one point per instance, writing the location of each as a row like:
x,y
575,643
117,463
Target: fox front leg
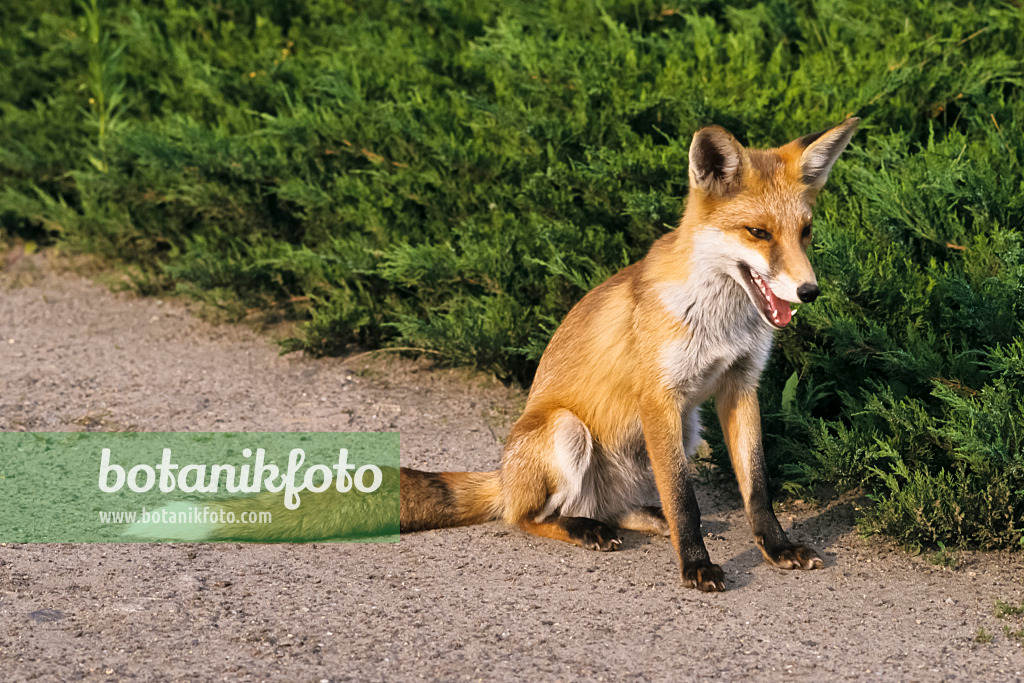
x,y
664,439
740,416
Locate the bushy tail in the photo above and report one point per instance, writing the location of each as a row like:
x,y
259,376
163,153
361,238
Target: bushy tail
x,y
433,500
427,500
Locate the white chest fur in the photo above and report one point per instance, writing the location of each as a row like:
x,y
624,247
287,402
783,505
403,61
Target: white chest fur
x,y
722,330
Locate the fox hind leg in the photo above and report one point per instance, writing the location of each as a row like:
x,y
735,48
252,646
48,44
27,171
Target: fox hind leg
x,y
581,531
648,519
546,469
549,485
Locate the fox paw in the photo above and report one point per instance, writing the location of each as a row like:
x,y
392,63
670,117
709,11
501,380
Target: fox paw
x,y
592,534
601,538
797,556
704,577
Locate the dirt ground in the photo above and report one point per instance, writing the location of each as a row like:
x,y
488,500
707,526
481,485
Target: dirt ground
x,y
481,603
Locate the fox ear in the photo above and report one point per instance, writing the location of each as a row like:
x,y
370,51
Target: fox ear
x,y
820,151
716,160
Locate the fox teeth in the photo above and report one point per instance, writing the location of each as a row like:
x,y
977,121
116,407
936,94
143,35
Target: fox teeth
x,y
759,281
763,287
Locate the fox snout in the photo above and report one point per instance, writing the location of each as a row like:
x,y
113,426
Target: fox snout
x,y
808,292
793,277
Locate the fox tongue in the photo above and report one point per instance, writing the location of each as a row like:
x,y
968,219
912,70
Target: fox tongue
x,y
781,312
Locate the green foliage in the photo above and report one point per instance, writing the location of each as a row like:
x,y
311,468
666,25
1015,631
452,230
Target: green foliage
x,y
1005,609
943,557
454,175
1011,634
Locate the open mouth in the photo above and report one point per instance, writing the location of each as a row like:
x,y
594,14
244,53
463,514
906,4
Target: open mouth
x,y
775,311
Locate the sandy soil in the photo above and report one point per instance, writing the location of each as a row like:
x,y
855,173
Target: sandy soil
x,y
486,602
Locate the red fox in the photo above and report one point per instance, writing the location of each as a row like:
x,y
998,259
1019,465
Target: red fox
x,y
612,415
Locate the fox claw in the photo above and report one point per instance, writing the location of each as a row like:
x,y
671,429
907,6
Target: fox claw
x,y
708,578
595,539
797,556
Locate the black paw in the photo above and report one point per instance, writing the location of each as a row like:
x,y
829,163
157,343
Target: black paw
x,y
796,556
591,534
704,577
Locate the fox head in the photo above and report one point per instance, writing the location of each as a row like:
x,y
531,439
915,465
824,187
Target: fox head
x,y
752,211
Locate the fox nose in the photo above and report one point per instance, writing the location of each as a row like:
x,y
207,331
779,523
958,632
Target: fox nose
x,y
808,292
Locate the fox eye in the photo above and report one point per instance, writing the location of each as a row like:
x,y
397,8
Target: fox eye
x,y
759,233
806,232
